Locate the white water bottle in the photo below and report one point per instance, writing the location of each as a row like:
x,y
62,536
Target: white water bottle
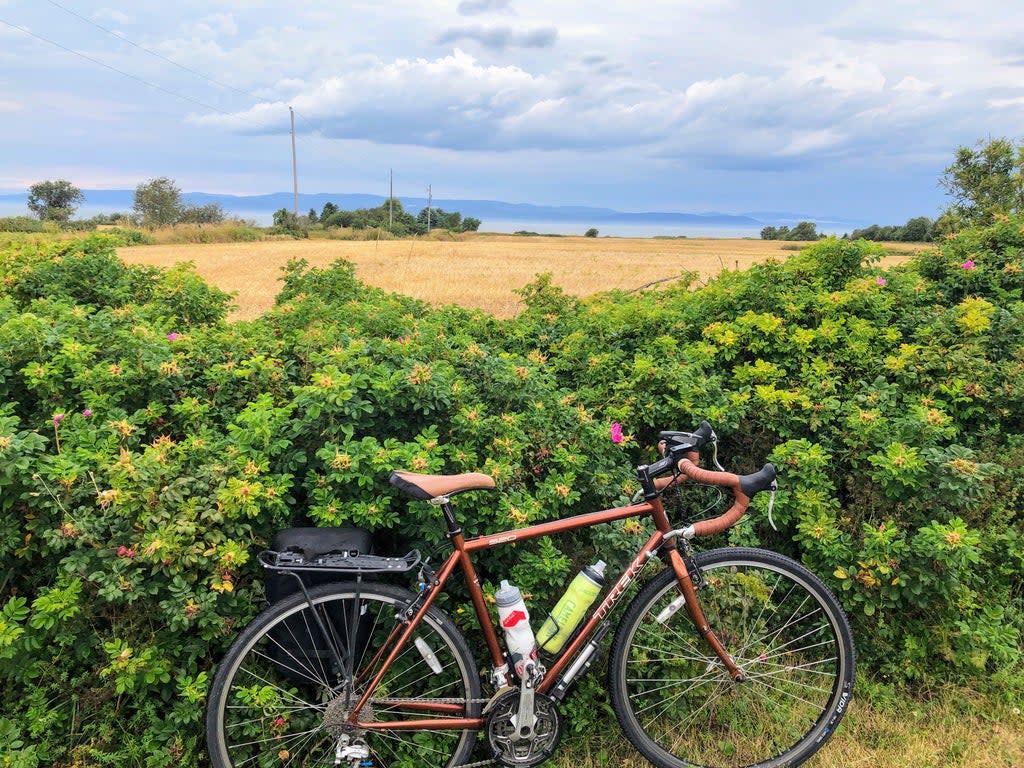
x,y
515,620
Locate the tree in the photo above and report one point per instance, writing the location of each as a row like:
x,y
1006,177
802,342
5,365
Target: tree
x,y
917,230
158,202
288,222
470,224
805,230
439,219
201,214
985,180
948,223
337,219
54,200
769,233
592,232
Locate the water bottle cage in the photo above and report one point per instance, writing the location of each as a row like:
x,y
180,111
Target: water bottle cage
x,y
541,641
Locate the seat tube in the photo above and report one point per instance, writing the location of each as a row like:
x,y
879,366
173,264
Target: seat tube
x,y
483,616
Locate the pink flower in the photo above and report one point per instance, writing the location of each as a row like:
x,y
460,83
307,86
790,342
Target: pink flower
x,y
172,337
880,281
87,412
57,419
969,264
124,551
616,432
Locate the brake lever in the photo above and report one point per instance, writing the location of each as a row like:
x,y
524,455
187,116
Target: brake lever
x,y
714,454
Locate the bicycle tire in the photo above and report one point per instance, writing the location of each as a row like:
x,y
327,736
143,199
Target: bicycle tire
x,y
676,702
280,695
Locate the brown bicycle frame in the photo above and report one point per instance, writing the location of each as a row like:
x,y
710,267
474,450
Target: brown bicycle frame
x,y
461,555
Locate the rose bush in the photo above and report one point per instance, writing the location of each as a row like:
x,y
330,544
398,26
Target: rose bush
x,y
149,449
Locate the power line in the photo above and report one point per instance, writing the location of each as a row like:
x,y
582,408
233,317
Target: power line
x,y
160,56
115,69
138,79
157,87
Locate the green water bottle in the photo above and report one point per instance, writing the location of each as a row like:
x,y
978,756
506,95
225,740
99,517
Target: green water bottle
x,y
568,612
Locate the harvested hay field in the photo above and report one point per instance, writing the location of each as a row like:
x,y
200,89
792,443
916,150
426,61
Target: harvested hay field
x,y
480,271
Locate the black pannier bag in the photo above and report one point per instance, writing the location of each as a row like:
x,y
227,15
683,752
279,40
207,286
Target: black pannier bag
x,y
299,649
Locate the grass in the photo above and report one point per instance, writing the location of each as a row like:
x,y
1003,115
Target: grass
x,y
954,730
477,271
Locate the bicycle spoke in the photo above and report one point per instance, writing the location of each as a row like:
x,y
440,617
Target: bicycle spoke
x,y
805,666
276,738
279,708
695,682
276,687
788,623
699,658
779,649
673,695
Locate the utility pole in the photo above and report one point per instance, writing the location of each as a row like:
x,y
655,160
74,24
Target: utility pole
x,y
295,168
391,198
430,200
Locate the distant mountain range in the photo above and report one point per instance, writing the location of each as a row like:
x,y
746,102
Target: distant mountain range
x,y
494,214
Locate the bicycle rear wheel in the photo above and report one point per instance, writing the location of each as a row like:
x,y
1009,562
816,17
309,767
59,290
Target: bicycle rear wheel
x,y
674,698
284,691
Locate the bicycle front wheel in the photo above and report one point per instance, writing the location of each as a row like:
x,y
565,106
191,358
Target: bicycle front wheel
x,y
673,696
285,690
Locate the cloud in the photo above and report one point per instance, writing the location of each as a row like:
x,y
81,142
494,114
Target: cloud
x,y
501,37
476,7
1003,103
810,109
217,24
911,84
453,101
110,14
10,106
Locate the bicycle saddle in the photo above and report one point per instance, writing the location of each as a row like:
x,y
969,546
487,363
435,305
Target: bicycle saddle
x,y
424,487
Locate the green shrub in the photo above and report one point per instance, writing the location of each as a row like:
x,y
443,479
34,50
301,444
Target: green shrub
x,y
20,224
149,449
890,401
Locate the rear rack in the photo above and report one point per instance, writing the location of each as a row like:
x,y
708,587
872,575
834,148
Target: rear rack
x,y
338,562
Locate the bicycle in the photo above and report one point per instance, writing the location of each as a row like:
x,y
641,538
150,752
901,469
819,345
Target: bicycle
x,y
728,657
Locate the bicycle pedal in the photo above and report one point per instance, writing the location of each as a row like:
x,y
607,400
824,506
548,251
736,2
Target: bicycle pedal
x,y
497,695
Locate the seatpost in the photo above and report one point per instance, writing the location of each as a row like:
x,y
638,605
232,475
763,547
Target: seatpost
x,y
454,529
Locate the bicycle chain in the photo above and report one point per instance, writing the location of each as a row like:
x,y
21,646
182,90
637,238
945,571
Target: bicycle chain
x,y
432,701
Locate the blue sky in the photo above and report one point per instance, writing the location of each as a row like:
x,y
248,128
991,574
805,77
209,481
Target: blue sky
x,y
842,109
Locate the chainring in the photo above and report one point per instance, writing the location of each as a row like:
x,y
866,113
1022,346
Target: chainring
x,y
508,747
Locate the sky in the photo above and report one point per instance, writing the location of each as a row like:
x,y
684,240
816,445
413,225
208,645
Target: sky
x,y
841,109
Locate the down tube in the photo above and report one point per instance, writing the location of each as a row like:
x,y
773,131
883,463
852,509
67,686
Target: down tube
x,y
646,553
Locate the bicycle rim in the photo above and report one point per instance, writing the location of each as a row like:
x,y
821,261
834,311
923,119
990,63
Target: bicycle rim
x,y
284,691
673,696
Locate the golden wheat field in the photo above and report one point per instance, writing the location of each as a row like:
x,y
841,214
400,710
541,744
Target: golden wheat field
x,y
480,271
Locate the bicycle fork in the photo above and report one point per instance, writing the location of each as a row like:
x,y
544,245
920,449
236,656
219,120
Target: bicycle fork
x,y
696,614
